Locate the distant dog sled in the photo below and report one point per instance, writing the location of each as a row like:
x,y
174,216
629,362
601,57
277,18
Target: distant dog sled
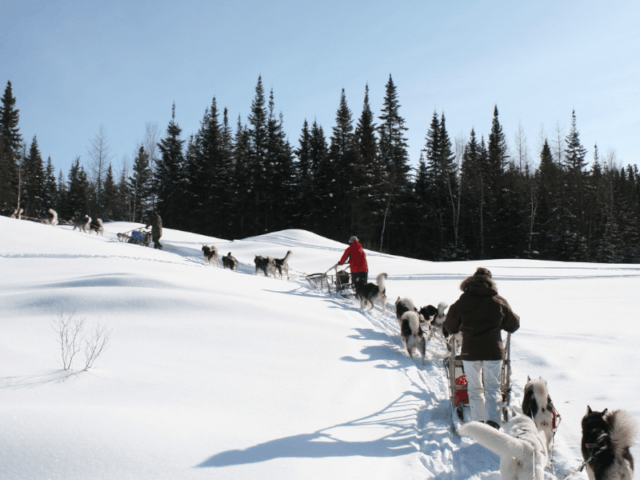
x,y
139,236
458,380
337,282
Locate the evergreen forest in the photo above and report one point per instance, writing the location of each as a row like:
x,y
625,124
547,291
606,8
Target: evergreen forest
x,y
463,199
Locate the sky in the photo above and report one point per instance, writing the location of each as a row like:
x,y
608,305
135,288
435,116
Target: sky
x,y
80,66
232,375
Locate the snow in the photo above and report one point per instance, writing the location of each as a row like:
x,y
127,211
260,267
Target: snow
x,y
212,373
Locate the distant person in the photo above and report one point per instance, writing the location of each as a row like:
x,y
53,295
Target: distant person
x,y
357,261
480,314
156,228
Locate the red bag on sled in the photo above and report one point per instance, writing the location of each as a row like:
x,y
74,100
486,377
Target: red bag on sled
x,y
462,396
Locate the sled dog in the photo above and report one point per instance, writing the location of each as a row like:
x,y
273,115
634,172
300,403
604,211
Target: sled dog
x,y
537,405
435,318
52,219
97,227
282,264
211,253
229,261
263,264
522,448
412,334
404,304
606,439
369,293
82,223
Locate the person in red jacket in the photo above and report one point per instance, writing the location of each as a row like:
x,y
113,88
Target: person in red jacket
x,y
357,261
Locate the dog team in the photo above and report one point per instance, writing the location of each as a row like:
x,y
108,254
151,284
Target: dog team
x,y
524,442
269,265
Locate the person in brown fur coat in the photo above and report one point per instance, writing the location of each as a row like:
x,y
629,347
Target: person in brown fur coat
x,y
481,314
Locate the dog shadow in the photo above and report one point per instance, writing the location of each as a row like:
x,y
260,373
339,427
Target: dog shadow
x,y
396,420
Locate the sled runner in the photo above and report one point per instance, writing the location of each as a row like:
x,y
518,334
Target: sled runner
x,y
139,236
458,381
337,282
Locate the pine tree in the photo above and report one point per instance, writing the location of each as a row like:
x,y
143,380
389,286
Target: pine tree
x,y
279,195
500,236
393,151
61,205
323,175
169,176
110,196
241,184
10,150
548,210
442,185
33,180
574,153
50,187
474,172
79,192
140,186
258,135
305,178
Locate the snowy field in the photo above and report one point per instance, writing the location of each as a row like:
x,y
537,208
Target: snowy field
x,y
218,374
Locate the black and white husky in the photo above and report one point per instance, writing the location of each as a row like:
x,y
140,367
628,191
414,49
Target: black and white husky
x,y
264,264
369,293
412,334
522,447
97,227
229,261
606,439
435,318
404,304
211,254
537,405
282,264
82,223
410,326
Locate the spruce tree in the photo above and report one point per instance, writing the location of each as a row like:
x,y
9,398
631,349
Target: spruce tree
x,y
279,196
50,187
393,153
368,179
169,176
342,157
140,186
10,150
33,181
321,212
79,192
257,160
305,178
110,196
474,172
241,185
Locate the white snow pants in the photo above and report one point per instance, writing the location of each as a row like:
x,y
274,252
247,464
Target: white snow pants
x,y
483,386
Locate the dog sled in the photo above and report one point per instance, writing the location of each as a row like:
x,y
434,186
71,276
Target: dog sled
x,y
458,393
338,281
138,236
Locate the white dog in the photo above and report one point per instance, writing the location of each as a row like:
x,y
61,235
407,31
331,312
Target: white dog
x,y
522,448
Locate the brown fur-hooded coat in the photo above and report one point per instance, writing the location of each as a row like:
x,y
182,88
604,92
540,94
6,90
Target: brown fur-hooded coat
x,y
480,314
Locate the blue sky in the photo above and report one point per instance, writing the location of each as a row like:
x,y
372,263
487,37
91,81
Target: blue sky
x,y
78,65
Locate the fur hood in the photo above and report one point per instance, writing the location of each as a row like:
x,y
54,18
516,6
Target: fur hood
x,y
479,285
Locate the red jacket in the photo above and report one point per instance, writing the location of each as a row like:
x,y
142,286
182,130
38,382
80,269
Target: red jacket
x,y
358,259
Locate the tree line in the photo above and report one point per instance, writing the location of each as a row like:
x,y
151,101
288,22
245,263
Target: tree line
x,y
472,198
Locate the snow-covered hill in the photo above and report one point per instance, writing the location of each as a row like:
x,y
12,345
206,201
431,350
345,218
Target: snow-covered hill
x,y
230,375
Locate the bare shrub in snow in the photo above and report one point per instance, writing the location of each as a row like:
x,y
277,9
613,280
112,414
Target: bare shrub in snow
x,y
72,340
